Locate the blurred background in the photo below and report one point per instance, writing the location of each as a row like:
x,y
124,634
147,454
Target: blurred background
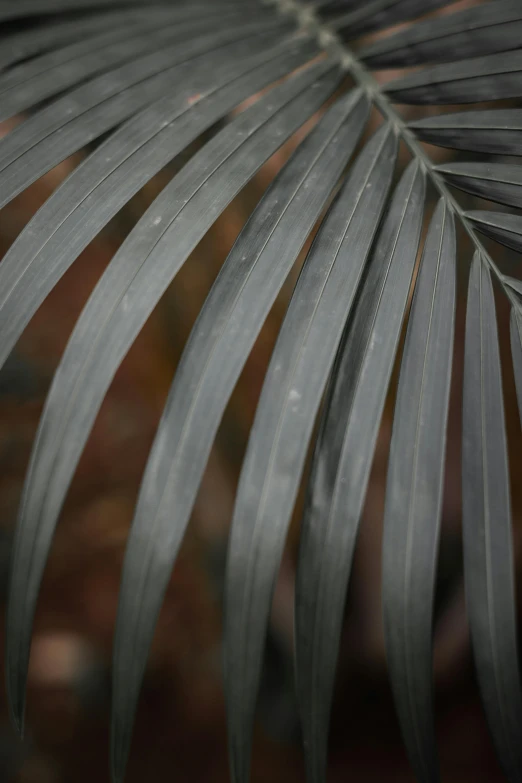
x,y
180,730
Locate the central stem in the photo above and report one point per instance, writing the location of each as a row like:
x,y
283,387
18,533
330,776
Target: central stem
x,y
330,41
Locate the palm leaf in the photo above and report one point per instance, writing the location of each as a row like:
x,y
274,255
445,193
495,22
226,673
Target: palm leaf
x,y
153,78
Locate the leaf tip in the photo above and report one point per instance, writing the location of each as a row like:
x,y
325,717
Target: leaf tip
x,y
17,712
16,684
119,754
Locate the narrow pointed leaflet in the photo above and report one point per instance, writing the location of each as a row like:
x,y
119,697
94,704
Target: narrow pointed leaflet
x,y
414,492
343,458
486,521
514,283
501,182
516,352
503,227
283,425
497,131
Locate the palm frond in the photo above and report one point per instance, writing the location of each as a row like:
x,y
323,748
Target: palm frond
x,y
153,78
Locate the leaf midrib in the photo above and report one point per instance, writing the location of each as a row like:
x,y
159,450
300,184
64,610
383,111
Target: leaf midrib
x,y
307,18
